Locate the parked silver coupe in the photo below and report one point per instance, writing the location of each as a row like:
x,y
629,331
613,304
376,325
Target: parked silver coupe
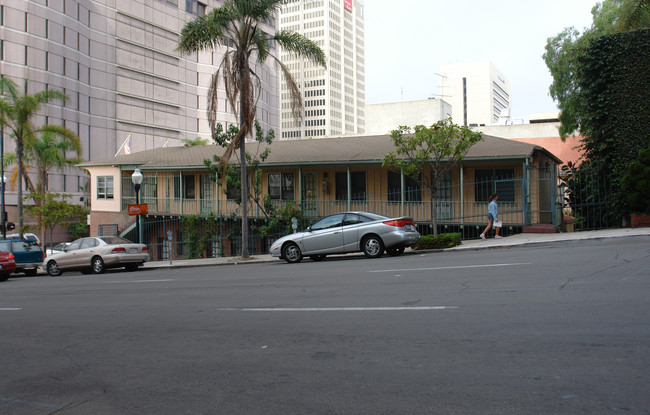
x,y
96,254
348,232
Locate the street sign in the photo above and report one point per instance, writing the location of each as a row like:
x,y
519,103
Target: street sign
x,y
140,209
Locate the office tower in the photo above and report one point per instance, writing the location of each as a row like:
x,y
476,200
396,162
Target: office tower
x,y
478,92
334,98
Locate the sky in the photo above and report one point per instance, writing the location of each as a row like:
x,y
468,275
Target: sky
x,y
408,41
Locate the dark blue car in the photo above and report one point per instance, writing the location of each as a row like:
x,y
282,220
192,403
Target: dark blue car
x,y
28,256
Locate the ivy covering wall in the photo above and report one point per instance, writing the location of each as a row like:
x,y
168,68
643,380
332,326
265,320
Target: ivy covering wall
x,y
614,81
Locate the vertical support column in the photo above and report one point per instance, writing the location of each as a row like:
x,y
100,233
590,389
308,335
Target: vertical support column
x,y
462,196
349,179
402,192
180,186
554,205
216,194
299,187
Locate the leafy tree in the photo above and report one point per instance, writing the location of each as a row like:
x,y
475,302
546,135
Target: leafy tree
x,y
237,26
636,184
198,141
78,229
233,171
51,209
439,148
563,51
17,110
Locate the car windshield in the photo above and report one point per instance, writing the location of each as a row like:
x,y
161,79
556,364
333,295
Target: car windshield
x,y
114,240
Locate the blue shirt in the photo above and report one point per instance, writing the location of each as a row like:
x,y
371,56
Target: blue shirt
x,y
492,208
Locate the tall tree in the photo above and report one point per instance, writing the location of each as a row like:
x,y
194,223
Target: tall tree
x,y
236,27
563,51
425,154
17,110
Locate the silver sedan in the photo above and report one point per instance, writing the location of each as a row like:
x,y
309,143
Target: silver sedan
x,y
348,232
96,254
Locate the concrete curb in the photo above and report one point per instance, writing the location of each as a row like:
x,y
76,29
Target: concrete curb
x,y
470,245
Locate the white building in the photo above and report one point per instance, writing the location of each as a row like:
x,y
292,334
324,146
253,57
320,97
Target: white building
x,y
384,118
478,92
334,98
117,62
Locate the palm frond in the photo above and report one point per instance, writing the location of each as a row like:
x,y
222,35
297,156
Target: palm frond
x,y
294,91
301,46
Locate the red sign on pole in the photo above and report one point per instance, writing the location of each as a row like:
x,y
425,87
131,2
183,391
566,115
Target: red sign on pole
x,y
140,209
347,4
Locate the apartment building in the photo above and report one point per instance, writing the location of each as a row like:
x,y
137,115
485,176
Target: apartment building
x,y
334,98
117,62
478,92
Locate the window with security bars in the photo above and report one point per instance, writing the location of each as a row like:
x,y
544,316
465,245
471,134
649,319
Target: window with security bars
x,y
357,185
281,186
500,181
412,188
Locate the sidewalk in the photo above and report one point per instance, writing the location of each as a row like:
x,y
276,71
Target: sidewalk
x,y
475,244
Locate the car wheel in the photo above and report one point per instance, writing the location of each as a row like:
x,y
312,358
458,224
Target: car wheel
x,y
131,267
53,269
372,246
317,258
291,253
395,251
30,272
4,277
97,265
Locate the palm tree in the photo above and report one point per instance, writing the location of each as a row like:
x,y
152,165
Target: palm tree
x,y
636,15
49,150
16,112
236,25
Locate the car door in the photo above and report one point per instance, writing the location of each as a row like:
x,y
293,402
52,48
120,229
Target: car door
x,y
69,258
85,252
351,232
325,236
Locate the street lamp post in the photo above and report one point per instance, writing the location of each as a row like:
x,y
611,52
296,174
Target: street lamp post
x,y
136,178
2,204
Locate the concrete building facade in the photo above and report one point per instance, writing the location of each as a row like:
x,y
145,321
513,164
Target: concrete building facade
x,y
384,118
478,92
334,98
117,62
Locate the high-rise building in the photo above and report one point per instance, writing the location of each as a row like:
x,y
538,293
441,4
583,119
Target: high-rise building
x,y
478,92
334,98
117,62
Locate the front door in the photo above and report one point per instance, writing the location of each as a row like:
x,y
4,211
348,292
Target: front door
x,y
309,194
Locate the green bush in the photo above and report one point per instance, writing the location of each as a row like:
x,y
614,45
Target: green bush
x,y
442,241
78,230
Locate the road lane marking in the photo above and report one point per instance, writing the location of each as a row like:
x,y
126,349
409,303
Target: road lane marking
x,y
343,309
454,267
44,405
10,309
110,282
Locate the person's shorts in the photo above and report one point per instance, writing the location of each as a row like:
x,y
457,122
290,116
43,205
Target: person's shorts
x,y
490,217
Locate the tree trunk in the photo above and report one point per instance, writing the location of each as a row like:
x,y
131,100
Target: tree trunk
x,y
243,113
19,203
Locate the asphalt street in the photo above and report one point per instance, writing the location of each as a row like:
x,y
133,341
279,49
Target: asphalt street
x,y
544,329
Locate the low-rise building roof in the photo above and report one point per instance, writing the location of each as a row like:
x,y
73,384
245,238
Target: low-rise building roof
x,y
324,151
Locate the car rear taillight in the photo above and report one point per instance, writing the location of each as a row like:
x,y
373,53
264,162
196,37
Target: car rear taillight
x,y
145,249
118,251
399,222
11,256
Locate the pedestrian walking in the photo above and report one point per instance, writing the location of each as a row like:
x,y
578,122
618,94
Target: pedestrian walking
x,y
493,216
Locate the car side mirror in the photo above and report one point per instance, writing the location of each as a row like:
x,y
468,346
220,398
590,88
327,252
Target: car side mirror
x,y
308,229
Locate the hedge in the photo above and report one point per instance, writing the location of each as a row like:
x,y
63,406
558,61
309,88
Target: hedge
x,y
442,241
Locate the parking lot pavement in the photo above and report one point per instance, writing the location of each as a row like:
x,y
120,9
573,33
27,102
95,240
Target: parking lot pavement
x,y
474,244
